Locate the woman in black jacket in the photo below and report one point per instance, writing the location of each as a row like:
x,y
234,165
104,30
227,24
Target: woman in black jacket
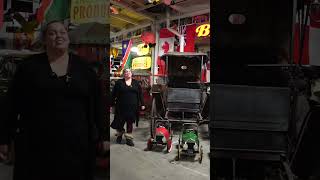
x,y
55,113
128,100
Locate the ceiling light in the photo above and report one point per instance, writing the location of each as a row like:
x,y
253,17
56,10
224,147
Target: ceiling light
x,y
134,49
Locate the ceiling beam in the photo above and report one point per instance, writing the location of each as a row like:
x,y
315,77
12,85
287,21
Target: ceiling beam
x,y
149,17
130,29
146,7
114,29
124,18
196,13
152,5
138,3
113,25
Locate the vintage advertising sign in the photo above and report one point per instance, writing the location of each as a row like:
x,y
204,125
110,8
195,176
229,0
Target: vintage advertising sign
x,y
86,11
141,62
143,50
203,30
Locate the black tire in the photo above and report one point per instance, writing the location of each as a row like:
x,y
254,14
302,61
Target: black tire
x,y
149,145
201,154
153,117
179,151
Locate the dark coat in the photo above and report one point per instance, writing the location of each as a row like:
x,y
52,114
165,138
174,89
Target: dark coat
x,y
127,101
54,123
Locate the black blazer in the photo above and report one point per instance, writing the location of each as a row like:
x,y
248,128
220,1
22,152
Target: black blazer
x,y
59,121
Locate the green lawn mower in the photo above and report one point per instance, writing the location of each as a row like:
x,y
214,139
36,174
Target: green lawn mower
x,y
189,144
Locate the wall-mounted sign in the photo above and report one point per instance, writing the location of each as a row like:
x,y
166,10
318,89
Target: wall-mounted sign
x,y
200,19
85,11
203,30
141,62
114,52
143,50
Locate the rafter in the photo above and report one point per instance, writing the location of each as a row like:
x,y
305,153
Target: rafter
x,y
143,25
138,3
146,7
147,16
124,18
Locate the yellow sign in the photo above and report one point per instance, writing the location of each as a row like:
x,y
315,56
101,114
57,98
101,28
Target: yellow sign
x,y
114,52
85,11
142,50
141,62
203,30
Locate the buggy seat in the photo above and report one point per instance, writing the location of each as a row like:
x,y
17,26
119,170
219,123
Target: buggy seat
x,y
183,100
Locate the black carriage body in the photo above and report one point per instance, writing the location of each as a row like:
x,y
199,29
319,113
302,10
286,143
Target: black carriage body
x,y
251,106
184,69
250,121
184,92
252,125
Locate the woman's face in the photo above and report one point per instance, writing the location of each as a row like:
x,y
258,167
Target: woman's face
x,y
56,36
127,73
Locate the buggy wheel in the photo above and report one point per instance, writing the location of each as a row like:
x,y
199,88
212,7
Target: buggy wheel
x,y
179,151
149,145
285,172
169,146
201,154
153,117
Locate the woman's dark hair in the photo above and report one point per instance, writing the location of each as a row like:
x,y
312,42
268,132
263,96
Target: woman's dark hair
x,y
127,69
45,28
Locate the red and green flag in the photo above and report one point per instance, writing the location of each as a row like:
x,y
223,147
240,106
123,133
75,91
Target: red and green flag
x,y
127,55
50,10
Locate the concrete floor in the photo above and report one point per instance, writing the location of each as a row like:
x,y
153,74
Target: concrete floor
x,y
135,163
6,173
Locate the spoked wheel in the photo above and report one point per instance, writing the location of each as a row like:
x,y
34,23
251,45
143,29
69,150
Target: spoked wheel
x,y
149,145
153,117
169,145
179,151
201,154
285,172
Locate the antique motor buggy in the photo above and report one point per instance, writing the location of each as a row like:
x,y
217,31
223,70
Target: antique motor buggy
x,y
182,97
162,135
254,126
189,143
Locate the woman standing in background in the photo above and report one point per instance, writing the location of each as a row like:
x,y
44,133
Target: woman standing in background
x,y
128,100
